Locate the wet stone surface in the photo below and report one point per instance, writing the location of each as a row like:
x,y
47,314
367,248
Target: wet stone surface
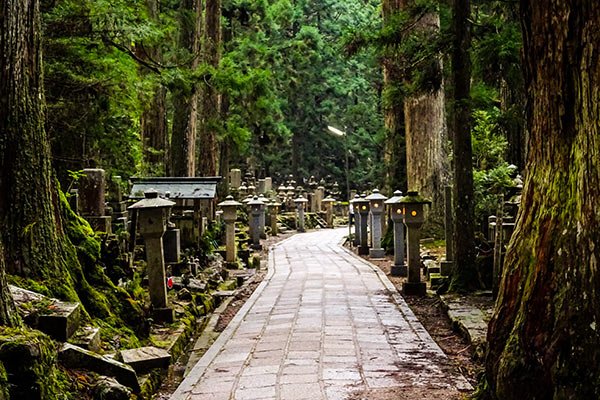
x,y
323,325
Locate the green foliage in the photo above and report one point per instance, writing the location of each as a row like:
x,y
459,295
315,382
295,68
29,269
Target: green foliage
x,y
491,173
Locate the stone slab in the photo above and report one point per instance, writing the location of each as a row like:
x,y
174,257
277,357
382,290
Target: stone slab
x,y
56,318
145,359
87,337
78,358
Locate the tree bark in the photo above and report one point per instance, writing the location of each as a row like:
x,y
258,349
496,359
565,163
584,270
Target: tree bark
x,y
543,337
394,156
464,275
154,117
211,100
426,158
185,99
32,233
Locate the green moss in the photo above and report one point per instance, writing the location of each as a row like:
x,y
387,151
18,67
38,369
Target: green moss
x,y
30,369
228,285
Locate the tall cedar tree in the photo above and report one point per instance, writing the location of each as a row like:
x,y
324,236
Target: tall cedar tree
x,y
185,98
543,338
394,156
464,275
211,101
425,129
32,233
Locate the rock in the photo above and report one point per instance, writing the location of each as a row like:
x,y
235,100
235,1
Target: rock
x,y
75,357
87,337
109,389
145,359
184,294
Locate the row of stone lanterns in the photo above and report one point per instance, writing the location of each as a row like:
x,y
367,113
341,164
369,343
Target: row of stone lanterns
x,y
404,210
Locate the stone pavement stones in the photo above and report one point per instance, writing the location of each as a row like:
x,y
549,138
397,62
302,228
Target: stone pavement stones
x,y
322,325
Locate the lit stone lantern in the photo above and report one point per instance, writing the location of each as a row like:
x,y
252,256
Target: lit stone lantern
x,y
399,268
329,202
256,208
229,207
152,216
300,203
273,207
361,206
376,206
414,217
356,241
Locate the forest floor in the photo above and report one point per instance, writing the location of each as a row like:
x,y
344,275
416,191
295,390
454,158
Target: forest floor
x,y
427,309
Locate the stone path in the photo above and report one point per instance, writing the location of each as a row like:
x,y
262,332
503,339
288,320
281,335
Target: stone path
x,y
323,325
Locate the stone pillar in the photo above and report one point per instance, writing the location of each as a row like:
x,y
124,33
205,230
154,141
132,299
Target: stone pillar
x,y
92,187
319,195
300,206
255,210
376,206
274,210
262,217
172,245
235,178
363,209
396,214
268,184
261,186
329,202
229,207
446,265
414,219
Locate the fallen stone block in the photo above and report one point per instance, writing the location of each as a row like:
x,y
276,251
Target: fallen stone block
x,y
145,359
87,337
77,358
109,389
56,318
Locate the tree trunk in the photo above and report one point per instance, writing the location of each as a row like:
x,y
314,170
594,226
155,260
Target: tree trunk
x,y
543,337
394,156
154,117
32,231
185,99
207,143
464,275
426,158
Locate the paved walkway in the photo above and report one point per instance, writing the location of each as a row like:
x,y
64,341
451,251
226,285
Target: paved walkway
x,y
322,325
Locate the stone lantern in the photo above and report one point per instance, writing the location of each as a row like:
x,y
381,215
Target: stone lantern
x,y
152,216
273,207
262,219
252,189
399,268
229,207
256,208
356,241
300,203
414,217
361,206
243,190
329,202
376,206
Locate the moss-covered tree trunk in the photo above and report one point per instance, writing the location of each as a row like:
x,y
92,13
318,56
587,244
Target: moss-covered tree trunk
x,y
32,232
544,340
185,98
425,120
394,156
464,275
211,99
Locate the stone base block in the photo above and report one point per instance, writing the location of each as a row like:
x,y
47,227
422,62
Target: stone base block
x,y
100,224
363,250
377,253
435,279
399,270
414,289
145,359
163,315
446,268
432,271
256,246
